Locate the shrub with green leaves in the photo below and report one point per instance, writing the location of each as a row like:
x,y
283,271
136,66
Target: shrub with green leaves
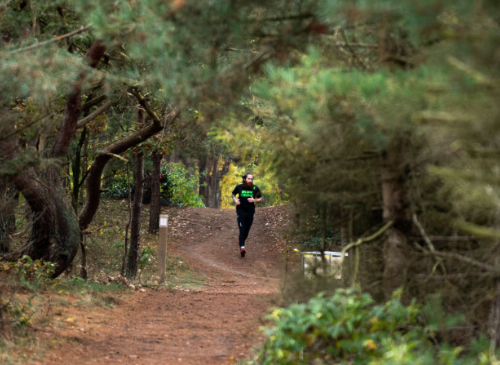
x,y
349,328
177,187
184,187
18,314
28,270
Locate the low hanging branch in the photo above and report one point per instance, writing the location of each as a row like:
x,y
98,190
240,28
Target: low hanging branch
x,y
448,254
432,251
359,242
113,150
83,122
56,39
89,104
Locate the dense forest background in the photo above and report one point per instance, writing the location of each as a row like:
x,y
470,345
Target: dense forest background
x,y
377,121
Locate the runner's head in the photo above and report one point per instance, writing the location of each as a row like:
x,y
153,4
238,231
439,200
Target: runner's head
x,y
248,181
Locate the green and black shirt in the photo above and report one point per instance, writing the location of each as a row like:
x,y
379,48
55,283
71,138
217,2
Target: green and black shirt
x,y
246,208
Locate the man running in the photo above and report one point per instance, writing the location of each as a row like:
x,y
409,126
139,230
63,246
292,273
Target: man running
x,y
249,194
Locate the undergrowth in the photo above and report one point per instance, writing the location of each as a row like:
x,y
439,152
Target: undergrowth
x,y
348,327
30,299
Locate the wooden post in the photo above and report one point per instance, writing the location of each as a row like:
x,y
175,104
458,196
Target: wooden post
x,y
162,248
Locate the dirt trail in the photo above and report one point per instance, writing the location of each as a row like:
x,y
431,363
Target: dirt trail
x,y
216,325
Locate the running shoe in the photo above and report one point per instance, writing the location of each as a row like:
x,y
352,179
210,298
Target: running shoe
x,y
242,251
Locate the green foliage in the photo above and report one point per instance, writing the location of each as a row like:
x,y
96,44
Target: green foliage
x,y
177,187
308,243
184,187
349,328
146,255
28,271
118,188
18,313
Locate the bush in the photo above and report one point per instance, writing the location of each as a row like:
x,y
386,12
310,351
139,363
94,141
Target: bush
x,y
176,187
348,328
28,271
184,187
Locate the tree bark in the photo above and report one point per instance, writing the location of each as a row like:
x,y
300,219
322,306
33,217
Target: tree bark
x,y
188,162
135,230
154,207
8,199
83,246
202,166
395,204
76,167
212,203
211,193
494,327
221,174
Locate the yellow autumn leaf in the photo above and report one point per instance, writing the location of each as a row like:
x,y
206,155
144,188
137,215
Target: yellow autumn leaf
x,y
369,344
70,320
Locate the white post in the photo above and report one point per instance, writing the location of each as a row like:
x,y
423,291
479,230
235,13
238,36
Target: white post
x,y
162,248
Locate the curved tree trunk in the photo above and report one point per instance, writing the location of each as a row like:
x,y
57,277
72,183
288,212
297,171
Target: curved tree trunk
x,y
154,207
55,234
135,230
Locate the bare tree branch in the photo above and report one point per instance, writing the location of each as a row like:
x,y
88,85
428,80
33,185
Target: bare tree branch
x,y
81,123
89,104
56,39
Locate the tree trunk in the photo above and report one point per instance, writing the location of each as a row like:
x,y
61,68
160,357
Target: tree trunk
x,y
213,184
221,174
202,166
83,246
188,162
211,192
154,207
135,230
76,167
54,235
494,320
8,202
208,181
395,204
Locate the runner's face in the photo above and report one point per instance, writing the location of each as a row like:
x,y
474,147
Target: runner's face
x,y
249,179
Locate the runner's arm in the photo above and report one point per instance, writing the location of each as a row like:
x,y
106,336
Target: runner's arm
x,y
258,194
236,200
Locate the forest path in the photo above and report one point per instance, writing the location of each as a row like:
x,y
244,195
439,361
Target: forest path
x,y
217,324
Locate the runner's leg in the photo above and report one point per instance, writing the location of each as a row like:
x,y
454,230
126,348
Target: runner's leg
x,y
246,224
241,239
